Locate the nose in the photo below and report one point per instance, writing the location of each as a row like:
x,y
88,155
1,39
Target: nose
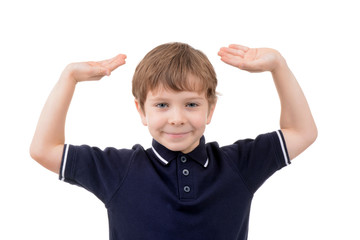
x,y
177,117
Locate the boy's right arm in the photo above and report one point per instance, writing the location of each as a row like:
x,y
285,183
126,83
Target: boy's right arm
x,y
49,138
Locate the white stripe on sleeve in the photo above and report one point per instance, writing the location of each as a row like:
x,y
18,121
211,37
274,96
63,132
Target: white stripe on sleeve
x,y
283,148
64,162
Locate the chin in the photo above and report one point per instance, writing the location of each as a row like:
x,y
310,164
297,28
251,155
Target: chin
x,y
175,148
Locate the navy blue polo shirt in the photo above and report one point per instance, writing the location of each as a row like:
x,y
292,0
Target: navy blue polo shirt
x,y
161,194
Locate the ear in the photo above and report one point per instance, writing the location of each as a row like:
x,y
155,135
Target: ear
x,y
211,112
141,112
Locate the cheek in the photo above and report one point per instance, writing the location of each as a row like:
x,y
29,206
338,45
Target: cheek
x,y
200,120
154,120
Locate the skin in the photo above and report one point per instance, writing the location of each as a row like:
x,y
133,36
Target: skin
x,y
296,120
49,138
176,119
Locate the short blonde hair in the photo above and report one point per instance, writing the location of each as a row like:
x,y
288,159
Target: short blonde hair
x,y
169,66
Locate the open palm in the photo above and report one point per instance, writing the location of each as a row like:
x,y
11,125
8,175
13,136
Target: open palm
x,y
250,59
87,71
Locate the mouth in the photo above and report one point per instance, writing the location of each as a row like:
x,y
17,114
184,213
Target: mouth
x,y
176,135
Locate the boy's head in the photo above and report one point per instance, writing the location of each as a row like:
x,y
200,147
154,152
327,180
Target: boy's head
x,y
170,66
175,93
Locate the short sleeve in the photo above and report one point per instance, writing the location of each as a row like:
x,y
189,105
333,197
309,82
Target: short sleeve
x,y
99,171
257,159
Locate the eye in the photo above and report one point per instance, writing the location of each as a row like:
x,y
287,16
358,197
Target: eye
x,y
162,105
192,105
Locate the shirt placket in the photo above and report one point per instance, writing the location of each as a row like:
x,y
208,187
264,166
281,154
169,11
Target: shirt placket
x,y
186,183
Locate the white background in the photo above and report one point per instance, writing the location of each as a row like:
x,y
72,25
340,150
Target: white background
x,y
317,197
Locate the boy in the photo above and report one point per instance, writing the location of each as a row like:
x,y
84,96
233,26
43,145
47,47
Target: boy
x,y
180,188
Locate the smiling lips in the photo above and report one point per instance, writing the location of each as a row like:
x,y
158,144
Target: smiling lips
x,y
176,135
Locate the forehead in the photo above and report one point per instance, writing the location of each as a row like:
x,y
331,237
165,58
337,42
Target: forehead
x,y
162,93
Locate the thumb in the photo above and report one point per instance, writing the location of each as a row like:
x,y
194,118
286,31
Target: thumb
x,y
96,73
102,71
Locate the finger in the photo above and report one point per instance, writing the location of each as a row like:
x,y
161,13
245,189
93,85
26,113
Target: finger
x,y
232,51
114,62
107,61
239,62
99,72
233,61
239,47
107,66
97,69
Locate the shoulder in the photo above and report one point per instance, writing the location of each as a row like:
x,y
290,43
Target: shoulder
x,y
77,155
256,159
109,152
261,146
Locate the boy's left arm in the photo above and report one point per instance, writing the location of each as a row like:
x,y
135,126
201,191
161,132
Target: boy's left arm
x,y
296,121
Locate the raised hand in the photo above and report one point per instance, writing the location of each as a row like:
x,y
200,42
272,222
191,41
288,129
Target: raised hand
x,y
49,138
251,59
87,71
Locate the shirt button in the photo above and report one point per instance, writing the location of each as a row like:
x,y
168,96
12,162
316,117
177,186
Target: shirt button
x,y
185,172
187,189
183,159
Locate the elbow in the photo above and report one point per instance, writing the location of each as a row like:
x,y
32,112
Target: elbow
x,y
311,135
35,152
48,157
315,134
309,132
39,152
